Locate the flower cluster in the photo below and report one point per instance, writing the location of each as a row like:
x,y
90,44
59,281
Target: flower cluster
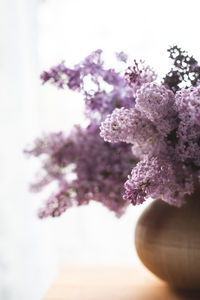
x,y
134,123
164,129
185,70
159,178
138,74
103,89
84,167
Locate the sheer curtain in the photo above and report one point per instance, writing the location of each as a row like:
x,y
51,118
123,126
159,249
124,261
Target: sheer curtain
x,y
26,264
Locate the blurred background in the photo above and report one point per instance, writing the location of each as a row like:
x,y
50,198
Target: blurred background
x,y
36,34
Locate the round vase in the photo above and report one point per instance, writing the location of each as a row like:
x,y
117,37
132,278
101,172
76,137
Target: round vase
x,y
167,241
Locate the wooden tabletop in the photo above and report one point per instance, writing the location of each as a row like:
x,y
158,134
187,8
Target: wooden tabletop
x,y
112,283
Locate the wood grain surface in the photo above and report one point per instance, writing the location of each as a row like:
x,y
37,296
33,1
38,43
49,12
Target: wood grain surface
x,y
111,283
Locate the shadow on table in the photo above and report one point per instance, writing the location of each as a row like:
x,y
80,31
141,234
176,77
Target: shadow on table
x,y
186,295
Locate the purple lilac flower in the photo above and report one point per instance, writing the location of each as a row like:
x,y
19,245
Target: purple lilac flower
x,y
155,177
104,103
61,76
138,74
158,123
188,146
165,132
99,168
185,70
156,103
127,125
110,89
188,105
122,56
58,202
96,165
91,71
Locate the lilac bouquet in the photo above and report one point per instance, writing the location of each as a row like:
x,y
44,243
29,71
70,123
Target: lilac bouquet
x,y
82,164
164,129
133,123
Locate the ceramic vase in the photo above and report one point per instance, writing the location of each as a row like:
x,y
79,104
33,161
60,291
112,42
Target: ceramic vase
x,y
167,241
